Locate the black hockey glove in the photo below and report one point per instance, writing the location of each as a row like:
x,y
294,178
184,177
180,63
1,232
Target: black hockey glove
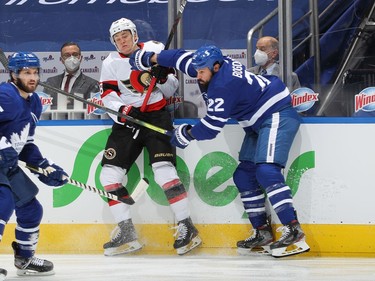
x,y
160,73
128,110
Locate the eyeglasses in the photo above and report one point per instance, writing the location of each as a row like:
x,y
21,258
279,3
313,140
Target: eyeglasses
x,y
67,55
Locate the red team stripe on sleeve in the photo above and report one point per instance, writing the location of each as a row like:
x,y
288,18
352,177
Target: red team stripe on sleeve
x,y
108,87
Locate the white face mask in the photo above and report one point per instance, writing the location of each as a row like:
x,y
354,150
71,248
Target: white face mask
x,y
260,57
72,63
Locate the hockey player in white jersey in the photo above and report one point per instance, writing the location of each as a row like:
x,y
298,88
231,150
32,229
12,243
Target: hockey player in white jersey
x,y
262,106
123,90
20,110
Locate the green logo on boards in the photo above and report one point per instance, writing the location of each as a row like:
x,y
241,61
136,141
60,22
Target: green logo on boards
x,y
212,177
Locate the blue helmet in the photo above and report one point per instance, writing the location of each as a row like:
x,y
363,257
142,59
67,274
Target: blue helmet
x,y
207,56
22,60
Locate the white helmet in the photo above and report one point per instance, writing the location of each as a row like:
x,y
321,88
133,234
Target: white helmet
x,y
121,25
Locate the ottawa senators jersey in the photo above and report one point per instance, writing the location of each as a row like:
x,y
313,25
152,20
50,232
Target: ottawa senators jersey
x,y
121,85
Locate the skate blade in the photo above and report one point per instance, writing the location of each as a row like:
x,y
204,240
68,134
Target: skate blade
x,y
297,248
256,251
27,272
127,248
195,242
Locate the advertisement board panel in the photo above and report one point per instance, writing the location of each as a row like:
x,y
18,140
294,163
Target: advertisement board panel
x,y
328,171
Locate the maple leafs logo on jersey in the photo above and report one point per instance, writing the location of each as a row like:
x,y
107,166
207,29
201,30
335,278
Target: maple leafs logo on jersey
x,y
19,140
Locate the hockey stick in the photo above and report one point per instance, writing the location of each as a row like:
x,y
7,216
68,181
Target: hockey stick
x,y
4,62
166,47
129,200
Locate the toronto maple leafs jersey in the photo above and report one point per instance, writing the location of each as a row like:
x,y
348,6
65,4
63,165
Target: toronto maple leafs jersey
x,y
18,119
121,85
232,92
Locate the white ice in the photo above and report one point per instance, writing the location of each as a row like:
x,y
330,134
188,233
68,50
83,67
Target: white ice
x,y
199,267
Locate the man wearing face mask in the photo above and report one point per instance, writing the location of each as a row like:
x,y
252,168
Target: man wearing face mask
x,y
72,81
266,62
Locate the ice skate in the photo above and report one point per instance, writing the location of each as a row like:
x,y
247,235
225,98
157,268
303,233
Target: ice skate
x,y
3,274
291,242
123,240
188,238
258,243
31,266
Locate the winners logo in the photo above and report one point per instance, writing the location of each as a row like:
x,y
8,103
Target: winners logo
x,y
45,99
92,109
365,100
303,99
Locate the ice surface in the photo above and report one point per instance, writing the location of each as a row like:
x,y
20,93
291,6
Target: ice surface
x,y
199,267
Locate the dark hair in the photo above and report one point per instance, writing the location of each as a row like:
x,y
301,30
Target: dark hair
x,y
70,44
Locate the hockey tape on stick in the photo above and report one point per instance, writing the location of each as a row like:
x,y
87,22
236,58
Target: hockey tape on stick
x,y
4,62
138,191
166,47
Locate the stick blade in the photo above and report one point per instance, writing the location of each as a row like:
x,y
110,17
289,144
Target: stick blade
x,y
140,189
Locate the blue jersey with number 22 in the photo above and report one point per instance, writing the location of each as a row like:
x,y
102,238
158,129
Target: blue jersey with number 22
x,y
232,92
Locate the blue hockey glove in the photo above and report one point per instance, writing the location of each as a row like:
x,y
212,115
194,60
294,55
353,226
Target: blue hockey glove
x,y
56,175
8,155
141,60
181,138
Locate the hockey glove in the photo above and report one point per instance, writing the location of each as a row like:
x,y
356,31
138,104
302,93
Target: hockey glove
x,y
128,110
160,73
8,155
56,175
141,60
181,137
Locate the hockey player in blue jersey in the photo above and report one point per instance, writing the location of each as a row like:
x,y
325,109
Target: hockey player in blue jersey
x,y
262,106
20,109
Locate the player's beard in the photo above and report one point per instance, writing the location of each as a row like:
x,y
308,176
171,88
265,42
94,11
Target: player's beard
x,y
203,83
24,87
